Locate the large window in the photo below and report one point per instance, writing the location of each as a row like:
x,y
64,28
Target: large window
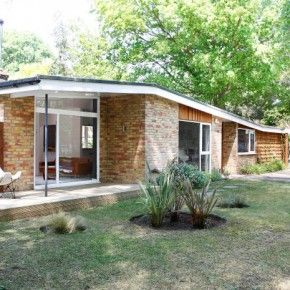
x,y
194,144
246,141
72,141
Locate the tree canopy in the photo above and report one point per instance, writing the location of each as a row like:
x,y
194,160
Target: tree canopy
x,y
229,53
23,49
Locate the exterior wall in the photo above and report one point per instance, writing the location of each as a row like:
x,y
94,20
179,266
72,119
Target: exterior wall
x,y
271,146
161,131
268,146
1,145
231,160
19,138
216,143
190,114
122,138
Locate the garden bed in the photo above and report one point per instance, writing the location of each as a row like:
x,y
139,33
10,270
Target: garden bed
x,y
184,222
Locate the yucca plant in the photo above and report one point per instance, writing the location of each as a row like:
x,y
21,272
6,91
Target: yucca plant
x,y
158,199
200,203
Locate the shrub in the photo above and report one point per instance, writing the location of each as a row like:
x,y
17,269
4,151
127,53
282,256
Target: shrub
x,y
63,224
232,201
158,199
182,171
259,168
215,175
200,203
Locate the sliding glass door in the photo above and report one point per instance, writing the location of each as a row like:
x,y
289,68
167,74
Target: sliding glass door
x,y
72,141
194,144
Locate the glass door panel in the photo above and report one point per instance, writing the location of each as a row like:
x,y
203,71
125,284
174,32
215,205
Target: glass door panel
x,y
77,148
39,149
189,143
205,146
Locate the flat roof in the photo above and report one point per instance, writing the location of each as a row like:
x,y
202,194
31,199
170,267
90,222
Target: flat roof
x,y
97,85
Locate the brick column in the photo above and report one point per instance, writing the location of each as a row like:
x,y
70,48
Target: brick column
x,y
1,144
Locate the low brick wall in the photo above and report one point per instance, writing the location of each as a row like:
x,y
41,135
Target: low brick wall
x,y
64,206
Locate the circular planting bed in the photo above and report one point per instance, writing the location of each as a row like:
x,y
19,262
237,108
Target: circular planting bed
x,y
184,221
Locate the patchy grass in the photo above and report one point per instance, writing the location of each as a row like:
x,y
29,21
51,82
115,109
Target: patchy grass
x,y
251,251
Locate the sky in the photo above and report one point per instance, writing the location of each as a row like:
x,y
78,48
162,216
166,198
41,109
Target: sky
x,y
39,16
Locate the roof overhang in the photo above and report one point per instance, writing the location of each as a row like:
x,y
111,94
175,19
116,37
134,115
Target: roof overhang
x,y
46,85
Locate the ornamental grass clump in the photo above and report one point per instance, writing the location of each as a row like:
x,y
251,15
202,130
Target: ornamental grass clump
x,y
65,224
200,203
233,201
158,199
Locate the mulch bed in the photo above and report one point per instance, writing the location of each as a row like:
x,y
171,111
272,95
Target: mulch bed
x,y
184,222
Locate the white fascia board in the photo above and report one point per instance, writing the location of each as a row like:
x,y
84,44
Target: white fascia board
x,y
95,87
20,91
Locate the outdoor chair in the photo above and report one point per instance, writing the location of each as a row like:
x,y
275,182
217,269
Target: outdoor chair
x,y
7,183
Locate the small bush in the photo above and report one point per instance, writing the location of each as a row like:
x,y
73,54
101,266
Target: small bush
x,y
232,201
182,171
215,175
158,199
200,203
260,168
63,224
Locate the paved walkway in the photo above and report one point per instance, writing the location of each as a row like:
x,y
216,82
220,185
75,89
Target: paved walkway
x,y
33,203
283,176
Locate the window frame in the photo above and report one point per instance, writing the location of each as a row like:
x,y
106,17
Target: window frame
x,y
250,132
201,152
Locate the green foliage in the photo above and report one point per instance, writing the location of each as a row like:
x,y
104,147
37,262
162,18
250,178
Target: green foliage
x,y
182,171
215,175
63,224
158,199
232,201
260,168
200,203
229,53
21,49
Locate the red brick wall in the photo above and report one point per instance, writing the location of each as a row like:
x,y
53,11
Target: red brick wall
x,y
122,137
231,160
19,138
1,145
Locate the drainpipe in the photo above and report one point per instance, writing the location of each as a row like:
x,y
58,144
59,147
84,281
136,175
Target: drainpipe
x,y
46,145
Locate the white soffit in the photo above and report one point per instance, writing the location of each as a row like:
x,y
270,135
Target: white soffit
x,y
52,86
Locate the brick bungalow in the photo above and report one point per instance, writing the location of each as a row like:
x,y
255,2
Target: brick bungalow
x,y
107,131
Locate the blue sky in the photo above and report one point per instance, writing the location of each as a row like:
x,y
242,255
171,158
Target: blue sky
x,y
39,16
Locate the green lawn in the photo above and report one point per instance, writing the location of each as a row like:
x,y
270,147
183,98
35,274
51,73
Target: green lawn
x,y
251,251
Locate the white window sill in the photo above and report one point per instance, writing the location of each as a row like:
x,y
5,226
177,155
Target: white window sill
x,y
247,153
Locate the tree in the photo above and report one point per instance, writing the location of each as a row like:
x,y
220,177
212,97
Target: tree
x,y
228,53
22,48
63,62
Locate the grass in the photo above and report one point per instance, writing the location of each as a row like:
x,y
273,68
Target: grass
x,y
252,251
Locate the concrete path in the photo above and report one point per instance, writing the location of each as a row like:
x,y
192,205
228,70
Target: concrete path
x,y
283,176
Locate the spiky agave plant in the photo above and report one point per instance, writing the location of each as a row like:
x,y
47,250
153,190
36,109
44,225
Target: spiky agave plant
x,y
200,203
158,199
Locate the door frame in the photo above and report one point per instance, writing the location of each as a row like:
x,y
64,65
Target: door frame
x,y
59,112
